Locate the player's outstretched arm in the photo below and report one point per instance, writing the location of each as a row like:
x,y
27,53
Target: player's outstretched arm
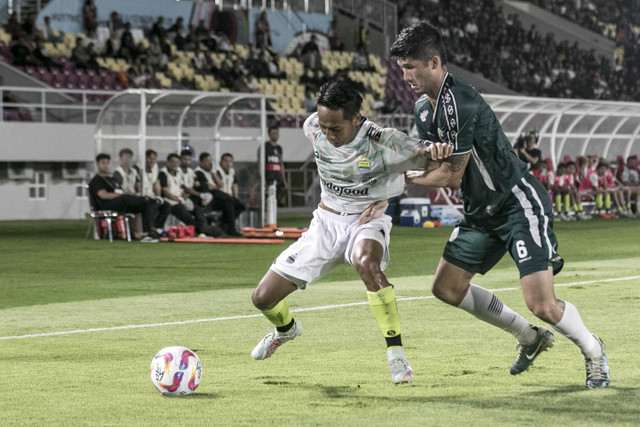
x,y
443,173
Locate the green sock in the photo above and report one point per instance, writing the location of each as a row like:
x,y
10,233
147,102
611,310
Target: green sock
x,y
567,203
607,201
599,201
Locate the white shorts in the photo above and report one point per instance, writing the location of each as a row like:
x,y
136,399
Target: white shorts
x,y
328,243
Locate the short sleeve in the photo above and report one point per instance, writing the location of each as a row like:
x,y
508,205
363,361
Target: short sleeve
x,y
311,127
162,177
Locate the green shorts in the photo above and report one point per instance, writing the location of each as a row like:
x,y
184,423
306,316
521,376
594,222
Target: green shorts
x,y
523,226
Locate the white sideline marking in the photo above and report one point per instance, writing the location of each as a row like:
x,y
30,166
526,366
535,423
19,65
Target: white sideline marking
x,y
297,310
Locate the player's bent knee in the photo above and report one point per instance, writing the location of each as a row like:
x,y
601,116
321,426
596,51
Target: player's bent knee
x,y
261,300
366,263
543,311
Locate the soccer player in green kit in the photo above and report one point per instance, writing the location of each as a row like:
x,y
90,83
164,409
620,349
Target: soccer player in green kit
x,y
505,209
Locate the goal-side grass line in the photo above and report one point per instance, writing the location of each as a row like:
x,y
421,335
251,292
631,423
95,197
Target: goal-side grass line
x,y
297,310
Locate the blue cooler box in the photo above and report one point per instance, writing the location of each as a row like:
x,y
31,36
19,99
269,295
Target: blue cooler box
x,y
414,211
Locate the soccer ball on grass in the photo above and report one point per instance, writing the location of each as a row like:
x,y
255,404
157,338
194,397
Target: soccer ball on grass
x,y
175,371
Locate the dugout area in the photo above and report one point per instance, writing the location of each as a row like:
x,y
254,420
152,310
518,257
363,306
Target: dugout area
x,y
168,120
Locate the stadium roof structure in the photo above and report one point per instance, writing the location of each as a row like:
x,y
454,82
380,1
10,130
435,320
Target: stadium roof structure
x,y
142,115
573,127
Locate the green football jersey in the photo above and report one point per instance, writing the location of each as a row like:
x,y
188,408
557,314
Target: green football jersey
x,y
463,118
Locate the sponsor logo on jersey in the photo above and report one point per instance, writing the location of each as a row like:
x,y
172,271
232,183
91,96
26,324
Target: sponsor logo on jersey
x,y
440,134
344,191
321,157
454,234
369,181
423,115
337,178
364,165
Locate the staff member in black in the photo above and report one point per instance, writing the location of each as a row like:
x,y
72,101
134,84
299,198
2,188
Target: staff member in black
x,y
274,166
106,194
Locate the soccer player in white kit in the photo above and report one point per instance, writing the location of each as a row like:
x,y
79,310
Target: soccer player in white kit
x,y
359,163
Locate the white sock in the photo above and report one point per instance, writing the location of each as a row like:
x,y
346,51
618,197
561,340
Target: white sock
x,y
571,326
487,307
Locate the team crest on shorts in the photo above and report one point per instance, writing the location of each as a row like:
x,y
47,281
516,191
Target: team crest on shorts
x,y
454,234
364,165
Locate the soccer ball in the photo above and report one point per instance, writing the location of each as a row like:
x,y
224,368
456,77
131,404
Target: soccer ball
x,y
175,371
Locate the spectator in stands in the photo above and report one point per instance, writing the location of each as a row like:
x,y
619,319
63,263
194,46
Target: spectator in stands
x,y
156,58
14,26
125,175
631,180
42,56
29,29
262,31
128,48
112,46
47,33
362,35
526,150
177,28
115,24
207,183
172,191
310,54
106,194
21,53
274,164
201,31
90,17
158,29
227,174
80,55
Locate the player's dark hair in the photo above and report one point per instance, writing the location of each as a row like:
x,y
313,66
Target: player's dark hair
x,y
125,151
570,163
420,41
273,126
186,152
102,156
171,156
203,156
150,152
226,155
340,95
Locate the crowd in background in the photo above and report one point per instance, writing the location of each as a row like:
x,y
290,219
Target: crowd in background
x,y
482,39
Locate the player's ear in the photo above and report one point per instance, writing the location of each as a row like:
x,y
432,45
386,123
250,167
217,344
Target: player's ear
x,y
435,62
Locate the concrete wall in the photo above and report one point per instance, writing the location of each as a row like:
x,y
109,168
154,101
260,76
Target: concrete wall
x,y
61,200
44,142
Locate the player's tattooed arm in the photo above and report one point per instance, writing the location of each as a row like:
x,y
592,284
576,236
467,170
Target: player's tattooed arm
x,y
442,173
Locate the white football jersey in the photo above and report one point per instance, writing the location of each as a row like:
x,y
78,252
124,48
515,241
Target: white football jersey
x,y
368,169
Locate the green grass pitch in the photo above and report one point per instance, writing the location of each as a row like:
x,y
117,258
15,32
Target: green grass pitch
x,y
129,295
